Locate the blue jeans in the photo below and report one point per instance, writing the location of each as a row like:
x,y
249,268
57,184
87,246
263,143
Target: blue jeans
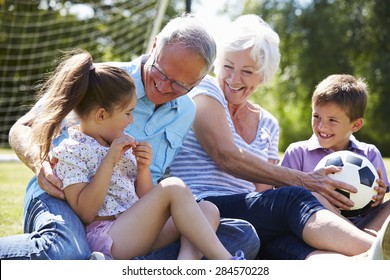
x,y
277,215
53,231
235,234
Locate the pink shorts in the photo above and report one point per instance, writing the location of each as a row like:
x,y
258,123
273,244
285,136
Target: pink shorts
x,y
98,238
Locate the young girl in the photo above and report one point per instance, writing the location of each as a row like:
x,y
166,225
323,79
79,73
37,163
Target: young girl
x,y
105,172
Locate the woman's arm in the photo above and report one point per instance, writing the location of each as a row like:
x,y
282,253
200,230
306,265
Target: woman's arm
x,y
263,187
213,133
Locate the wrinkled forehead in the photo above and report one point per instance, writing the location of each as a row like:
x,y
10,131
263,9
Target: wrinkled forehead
x,y
181,63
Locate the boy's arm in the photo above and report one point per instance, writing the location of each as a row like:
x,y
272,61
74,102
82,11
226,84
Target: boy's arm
x,y
292,158
376,159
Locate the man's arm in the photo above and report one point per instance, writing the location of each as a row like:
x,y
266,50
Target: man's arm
x,y
18,138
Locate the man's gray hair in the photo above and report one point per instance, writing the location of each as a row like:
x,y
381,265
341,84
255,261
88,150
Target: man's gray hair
x,y
191,33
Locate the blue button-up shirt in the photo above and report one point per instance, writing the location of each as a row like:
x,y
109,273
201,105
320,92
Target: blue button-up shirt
x,y
165,128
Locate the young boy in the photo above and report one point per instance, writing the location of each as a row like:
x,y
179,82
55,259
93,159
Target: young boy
x,y
338,106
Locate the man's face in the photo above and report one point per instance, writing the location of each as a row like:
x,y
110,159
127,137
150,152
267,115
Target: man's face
x,y
172,73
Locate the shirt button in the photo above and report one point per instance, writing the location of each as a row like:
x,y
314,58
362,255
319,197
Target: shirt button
x,y
149,129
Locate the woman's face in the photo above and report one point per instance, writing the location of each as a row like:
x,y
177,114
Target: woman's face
x,y
238,76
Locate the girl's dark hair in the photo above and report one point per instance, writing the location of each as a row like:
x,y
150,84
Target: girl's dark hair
x,y
78,85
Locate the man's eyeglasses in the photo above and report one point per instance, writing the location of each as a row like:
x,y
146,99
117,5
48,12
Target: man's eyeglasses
x,y
176,86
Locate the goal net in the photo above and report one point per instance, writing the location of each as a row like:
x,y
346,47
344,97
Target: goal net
x,y
34,32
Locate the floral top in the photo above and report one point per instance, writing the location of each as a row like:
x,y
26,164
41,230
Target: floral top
x,y
78,160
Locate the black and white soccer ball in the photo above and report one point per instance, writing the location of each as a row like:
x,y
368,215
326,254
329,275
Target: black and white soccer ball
x,y
357,171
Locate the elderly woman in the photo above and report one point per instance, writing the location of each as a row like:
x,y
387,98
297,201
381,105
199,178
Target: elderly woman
x,y
226,156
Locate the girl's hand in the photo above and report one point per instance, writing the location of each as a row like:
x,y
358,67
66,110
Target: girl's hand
x,y
119,146
143,153
381,189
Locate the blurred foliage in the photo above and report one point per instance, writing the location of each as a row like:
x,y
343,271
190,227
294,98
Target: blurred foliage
x,y
34,32
318,38
323,37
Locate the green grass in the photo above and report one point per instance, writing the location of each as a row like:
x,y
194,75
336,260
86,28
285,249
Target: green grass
x,y
14,177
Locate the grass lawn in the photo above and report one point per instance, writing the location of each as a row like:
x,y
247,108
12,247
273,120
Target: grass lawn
x,y
14,177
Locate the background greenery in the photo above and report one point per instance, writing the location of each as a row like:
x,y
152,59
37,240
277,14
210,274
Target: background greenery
x,y
323,37
318,38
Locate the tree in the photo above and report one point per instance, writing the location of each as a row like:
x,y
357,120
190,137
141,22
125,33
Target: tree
x,y
324,37
34,32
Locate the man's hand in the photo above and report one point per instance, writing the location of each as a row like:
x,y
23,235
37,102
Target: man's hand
x,y
319,182
48,181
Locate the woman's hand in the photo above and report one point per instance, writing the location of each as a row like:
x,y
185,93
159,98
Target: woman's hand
x,y
319,182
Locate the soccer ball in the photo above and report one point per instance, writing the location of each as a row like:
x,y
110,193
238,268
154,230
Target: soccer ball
x,y
357,171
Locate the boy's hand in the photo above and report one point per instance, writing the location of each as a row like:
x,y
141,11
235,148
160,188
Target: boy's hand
x,y
381,190
143,153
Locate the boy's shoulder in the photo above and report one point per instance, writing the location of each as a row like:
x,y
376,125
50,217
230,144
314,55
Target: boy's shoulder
x,y
302,145
363,146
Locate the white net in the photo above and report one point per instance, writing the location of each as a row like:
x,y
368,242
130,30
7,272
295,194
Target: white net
x,y
34,32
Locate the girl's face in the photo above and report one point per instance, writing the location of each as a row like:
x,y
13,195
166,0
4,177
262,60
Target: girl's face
x,y
332,126
238,77
116,122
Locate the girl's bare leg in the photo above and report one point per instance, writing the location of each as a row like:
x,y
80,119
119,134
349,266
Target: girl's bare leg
x,y
135,231
187,250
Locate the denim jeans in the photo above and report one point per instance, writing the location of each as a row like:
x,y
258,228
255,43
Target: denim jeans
x,y
53,231
277,215
235,234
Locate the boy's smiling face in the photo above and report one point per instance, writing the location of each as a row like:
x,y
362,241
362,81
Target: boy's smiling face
x,y
332,126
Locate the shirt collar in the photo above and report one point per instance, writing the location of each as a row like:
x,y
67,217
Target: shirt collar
x,y
354,144
137,76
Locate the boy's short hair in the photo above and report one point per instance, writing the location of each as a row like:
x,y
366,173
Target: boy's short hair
x,y
344,90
